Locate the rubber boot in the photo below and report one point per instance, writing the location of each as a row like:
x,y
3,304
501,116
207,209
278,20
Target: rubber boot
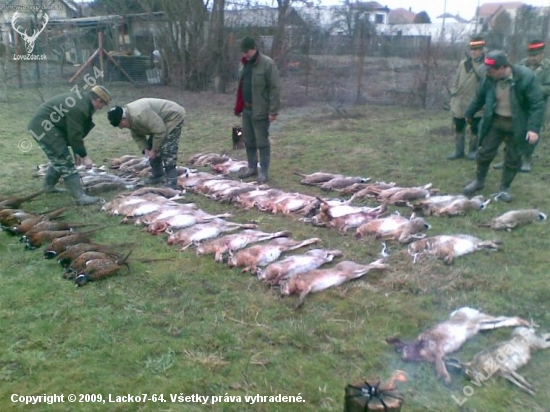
x,y
508,176
473,148
479,182
77,192
265,157
460,138
157,172
252,169
172,178
526,163
50,180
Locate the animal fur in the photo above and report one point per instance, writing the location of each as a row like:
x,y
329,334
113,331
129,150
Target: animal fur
x,y
321,279
447,337
505,358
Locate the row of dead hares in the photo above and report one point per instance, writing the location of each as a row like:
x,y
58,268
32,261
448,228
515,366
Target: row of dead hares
x,y
82,259
97,180
503,359
250,249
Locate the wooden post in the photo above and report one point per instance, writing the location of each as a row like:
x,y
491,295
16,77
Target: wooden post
x,y
100,47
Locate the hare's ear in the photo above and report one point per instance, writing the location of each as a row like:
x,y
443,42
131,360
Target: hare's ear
x,y
396,342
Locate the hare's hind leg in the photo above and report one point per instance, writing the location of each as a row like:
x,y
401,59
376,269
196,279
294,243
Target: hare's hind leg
x,y
520,381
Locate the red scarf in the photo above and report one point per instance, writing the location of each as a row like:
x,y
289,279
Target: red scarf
x,y
239,105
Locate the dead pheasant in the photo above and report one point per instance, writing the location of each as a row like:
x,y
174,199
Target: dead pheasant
x,y
59,245
97,269
15,201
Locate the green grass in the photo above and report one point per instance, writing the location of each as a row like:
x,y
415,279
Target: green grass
x,y
192,326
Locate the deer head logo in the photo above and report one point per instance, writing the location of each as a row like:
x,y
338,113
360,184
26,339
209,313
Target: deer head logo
x,y
29,40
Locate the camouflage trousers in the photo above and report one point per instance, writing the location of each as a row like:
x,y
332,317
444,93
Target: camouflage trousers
x,y
62,162
169,148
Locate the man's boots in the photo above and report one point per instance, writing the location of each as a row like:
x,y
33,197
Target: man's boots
x,y
479,182
473,148
52,177
157,172
460,138
77,192
526,163
265,157
508,176
172,178
252,169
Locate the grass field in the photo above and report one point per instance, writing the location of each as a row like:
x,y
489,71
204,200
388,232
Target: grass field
x,y
191,326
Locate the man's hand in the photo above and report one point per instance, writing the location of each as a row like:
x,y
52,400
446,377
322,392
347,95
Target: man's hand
x,y
272,118
87,162
151,154
532,137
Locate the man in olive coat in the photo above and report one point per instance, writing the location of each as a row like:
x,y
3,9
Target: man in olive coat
x,y
258,101
470,72
162,121
62,122
514,109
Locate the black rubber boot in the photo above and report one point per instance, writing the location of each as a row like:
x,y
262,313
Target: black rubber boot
x,y
172,178
157,172
460,138
479,182
504,194
473,148
77,192
252,169
526,163
265,157
50,180
508,176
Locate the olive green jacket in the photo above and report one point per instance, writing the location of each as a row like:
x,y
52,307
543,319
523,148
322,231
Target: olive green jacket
x,y
266,88
543,75
154,117
526,102
63,121
468,76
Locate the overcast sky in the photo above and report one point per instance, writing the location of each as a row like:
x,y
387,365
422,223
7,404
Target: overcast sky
x,y
434,8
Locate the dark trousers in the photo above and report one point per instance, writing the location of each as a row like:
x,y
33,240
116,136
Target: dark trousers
x,y
255,132
460,125
502,130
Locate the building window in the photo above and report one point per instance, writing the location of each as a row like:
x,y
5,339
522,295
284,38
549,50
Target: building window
x,y
380,19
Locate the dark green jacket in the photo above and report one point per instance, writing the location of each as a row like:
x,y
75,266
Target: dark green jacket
x,y
526,102
266,89
63,121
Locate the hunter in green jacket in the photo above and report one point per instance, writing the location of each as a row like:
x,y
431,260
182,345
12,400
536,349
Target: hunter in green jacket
x,y
470,72
258,101
514,109
62,122
541,68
